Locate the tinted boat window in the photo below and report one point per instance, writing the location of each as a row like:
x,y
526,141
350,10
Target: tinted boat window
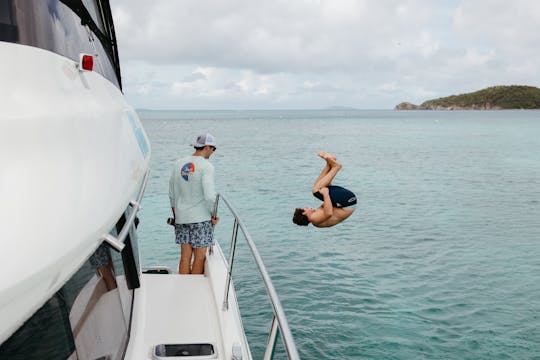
x,y
46,335
88,318
97,316
6,16
8,28
126,295
5,12
95,11
53,26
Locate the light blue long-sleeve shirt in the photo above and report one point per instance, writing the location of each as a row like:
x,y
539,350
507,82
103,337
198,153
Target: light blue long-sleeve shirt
x,y
192,190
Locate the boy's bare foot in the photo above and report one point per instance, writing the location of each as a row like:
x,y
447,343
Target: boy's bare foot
x,y
326,155
322,154
332,162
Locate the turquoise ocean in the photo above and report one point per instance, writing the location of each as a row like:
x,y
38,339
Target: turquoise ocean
x,y
441,259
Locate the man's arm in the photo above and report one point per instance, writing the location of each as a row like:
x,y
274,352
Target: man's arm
x,y
209,188
209,191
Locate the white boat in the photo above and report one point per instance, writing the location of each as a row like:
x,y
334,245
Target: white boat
x,y
75,161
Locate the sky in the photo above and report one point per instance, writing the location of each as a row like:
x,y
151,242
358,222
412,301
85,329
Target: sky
x,y
316,54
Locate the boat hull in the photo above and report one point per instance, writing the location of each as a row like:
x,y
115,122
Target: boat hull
x,y
73,156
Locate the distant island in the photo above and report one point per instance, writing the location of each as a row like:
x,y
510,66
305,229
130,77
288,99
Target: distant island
x,y
339,108
491,98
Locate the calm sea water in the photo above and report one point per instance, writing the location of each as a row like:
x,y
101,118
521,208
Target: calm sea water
x,y
441,259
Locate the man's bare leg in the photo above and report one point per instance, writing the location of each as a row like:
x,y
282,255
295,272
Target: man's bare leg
x,y
198,262
329,172
185,259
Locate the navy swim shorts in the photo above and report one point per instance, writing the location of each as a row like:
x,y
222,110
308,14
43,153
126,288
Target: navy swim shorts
x,y
340,196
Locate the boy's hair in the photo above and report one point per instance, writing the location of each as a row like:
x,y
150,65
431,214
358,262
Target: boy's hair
x,y
299,218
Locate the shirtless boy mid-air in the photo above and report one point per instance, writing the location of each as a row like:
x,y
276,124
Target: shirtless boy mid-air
x,y
337,201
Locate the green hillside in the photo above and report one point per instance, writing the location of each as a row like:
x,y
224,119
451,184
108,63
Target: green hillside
x,y
496,97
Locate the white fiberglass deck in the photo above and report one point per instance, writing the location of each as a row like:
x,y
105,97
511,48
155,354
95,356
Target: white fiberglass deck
x,y
174,309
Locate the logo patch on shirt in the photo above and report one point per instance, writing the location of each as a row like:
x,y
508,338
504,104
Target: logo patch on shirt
x,y
186,170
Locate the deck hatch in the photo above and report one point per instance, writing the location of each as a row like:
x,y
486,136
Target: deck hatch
x,y
182,351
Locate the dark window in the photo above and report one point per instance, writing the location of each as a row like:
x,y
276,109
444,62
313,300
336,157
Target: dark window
x,y
5,12
95,12
46,335
130,255
53,26
8,28
89,315
99,326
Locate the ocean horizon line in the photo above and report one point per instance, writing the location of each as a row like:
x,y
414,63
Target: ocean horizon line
x,y
266,109
332,109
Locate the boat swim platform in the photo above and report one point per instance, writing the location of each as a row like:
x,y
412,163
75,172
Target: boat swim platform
x,y
174,309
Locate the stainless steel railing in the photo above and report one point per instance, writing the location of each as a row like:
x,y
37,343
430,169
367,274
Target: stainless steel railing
x,y
118,242
279,321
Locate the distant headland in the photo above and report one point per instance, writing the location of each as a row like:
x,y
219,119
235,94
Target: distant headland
x,y
491,98
344,108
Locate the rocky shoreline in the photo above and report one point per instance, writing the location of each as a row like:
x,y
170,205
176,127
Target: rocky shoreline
x,y
410,106
502,97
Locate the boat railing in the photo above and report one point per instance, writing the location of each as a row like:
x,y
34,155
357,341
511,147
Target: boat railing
x,y
118,242
279,321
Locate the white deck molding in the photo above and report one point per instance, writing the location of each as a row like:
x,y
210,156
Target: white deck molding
x,y
186,309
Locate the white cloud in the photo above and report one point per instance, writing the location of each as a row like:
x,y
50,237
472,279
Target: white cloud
x,y
318,53
196,75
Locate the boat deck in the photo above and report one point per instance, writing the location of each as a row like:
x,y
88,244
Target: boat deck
x,y
183,313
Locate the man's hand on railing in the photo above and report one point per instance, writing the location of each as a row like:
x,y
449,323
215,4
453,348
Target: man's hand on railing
x,y
215,220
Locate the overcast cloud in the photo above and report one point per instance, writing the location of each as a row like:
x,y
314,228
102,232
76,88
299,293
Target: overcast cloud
x,y
298,54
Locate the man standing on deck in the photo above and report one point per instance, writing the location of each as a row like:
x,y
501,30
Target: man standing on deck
x,y
192,194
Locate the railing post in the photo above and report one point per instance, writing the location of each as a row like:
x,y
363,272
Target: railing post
x,y
271,343
114,242
214,214
216,203
229,270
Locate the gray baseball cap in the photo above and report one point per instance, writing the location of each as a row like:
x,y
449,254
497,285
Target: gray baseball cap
x,y
205,140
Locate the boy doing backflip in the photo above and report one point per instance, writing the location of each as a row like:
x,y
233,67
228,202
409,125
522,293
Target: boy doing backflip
x,y
337,201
